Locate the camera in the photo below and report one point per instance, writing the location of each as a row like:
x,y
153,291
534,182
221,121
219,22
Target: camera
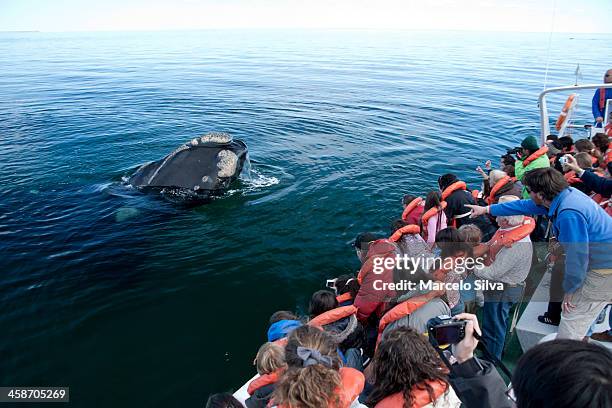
x,y
444,330
563,160
514,150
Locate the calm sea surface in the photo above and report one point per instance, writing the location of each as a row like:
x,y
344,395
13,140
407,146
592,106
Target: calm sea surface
x,y
133,302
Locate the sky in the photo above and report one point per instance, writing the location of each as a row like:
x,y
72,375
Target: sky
x,y
577,16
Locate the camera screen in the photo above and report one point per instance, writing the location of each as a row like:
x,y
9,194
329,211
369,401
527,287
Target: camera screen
x,y
447,334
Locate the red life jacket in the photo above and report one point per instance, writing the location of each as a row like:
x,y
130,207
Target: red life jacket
x,y
401,310
410,207
541,151
602,98
506,238
332,316
419,394
264,380
408,229
345,297
351,385
500,183
379,248
571,177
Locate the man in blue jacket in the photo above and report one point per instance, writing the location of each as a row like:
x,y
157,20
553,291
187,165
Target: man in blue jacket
x,y
600,98
585,232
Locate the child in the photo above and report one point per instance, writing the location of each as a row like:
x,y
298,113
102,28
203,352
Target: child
x,y
270,363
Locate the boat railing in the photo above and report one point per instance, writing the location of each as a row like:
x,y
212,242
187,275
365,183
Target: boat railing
x,y
544,122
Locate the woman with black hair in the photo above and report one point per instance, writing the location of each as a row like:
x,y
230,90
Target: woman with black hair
x,y
408,372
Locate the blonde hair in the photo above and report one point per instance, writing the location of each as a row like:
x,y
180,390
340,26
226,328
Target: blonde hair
x,y
313,385
269,358
513,220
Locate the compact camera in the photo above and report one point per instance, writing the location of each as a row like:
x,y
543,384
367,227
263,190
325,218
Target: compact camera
x,y
445,330
563,160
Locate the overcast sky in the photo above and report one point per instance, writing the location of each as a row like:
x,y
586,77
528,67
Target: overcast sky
x,y
490,15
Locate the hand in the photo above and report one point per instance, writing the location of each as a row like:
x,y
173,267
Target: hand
x,y
464,350
482,172
571,163
488,165
476,210
567,303
599,119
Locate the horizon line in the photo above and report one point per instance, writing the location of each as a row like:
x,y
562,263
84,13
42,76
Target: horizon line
x,y
299,28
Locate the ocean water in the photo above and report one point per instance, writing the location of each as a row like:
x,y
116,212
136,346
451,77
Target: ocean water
x,y
134,302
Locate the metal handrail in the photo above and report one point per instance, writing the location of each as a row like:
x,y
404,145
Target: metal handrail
x,y
544,125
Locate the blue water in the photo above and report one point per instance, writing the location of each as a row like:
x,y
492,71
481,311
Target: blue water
x,y
132,301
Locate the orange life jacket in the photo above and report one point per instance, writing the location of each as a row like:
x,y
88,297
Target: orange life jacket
x,y
408,229
401,310
430,213
457,185
608,129
608,153
506,238
541,151
332,316
500,183
351,385
264,380
571,177
475,194
420,396
410,207
345,297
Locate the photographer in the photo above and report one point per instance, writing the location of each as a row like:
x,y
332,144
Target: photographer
x,y
531,157
476,382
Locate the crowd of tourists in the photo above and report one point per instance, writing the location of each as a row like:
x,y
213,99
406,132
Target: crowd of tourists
x,y
367,339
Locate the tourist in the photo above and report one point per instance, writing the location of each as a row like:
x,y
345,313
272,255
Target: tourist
x,y
563,374
281,324
223,400
270,364
456,197
532,157
510,265
600,185
408,372
600,98
585,232
436,222
314,376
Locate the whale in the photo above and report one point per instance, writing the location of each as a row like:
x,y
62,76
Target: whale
x,y
196,171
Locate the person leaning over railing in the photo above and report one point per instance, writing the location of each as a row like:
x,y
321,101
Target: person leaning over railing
x,y
584,230
600,185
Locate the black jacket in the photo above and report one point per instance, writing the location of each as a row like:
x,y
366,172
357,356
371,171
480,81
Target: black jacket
x,y
455,206
479,385
260,397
